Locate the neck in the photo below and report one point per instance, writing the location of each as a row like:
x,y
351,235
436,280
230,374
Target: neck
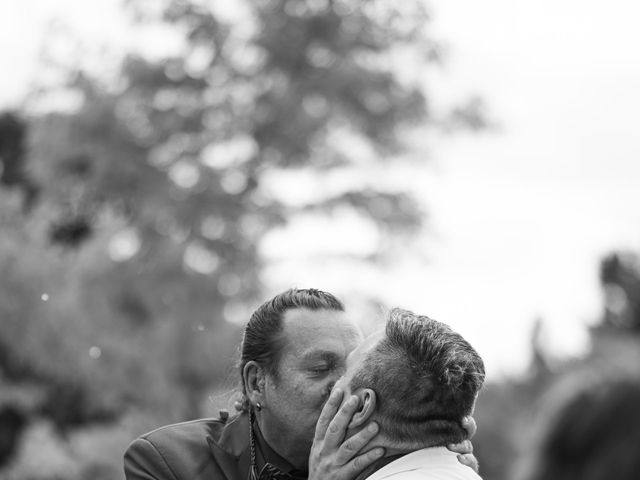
x,y
394,447
296,456
294,451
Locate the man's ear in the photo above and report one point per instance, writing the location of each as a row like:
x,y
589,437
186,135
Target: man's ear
x,y
253,376
366,409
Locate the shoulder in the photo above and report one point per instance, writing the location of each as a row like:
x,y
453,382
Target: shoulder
x,y
169,451
191,433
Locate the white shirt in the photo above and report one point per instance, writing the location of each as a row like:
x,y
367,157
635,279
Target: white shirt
x,y
436,463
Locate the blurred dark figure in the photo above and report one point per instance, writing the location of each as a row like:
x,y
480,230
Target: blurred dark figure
x,y
620,278
12,156
12,422
70,231
590,429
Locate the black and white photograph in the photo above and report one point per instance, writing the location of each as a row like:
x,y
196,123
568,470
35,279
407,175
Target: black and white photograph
x,y
319,240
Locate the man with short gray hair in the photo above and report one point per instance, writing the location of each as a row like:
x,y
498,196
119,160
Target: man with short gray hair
x,y
417,379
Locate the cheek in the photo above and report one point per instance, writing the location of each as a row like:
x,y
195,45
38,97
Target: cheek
x,y
294,389
310,396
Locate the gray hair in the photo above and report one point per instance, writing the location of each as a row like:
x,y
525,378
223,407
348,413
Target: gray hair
x,y
426,378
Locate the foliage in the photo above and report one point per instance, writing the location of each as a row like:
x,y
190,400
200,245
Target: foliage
x,y
131,223
509,411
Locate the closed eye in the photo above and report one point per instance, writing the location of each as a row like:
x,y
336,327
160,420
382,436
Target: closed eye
x,y
321,369
321,363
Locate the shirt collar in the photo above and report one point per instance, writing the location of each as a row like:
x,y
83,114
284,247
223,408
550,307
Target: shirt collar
x,y
377,465
433,457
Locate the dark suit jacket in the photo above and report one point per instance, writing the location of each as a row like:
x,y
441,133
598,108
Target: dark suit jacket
x,y
210,449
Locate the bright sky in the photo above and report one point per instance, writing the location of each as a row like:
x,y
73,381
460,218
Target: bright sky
x,y
526,214
519,217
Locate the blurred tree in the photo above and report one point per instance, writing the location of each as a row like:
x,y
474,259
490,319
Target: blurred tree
x,y
509,408
620,278
539,365
505,412
125,285
178,152
617,335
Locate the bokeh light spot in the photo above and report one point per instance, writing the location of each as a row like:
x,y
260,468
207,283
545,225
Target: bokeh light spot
x,y
200,259
124,245
213,227
233,152
184,174
234,182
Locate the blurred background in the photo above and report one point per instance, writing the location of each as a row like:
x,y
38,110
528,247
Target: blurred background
x,y
167,165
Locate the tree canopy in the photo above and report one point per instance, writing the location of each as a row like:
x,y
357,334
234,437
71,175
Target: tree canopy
x,y
131,223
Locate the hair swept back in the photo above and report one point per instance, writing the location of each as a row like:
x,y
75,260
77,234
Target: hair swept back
x,y
262,341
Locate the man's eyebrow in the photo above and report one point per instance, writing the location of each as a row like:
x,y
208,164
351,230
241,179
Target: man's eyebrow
x,y
320,355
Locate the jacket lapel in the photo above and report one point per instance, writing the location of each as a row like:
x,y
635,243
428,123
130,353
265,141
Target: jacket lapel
x,y
231,450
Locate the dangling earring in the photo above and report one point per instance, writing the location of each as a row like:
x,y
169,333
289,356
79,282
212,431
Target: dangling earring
x,y
258,406
253,469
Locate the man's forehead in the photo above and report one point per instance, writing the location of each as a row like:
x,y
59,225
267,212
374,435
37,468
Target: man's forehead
x,y
314,326
315,353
